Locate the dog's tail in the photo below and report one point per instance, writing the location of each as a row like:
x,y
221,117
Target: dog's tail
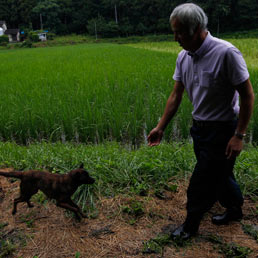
x,y
15,174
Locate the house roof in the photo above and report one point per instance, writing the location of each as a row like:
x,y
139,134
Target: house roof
x,y
12,31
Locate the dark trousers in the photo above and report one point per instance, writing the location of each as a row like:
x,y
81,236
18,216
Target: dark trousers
x,y
212,179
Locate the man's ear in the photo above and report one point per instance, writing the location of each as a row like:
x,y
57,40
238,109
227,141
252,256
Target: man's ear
x,y
82,165
198,29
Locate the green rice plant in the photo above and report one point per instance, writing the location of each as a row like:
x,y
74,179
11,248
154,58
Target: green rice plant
x,y
96,92
180,127
84,93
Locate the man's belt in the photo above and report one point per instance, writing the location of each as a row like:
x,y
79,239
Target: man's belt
x,y
202,124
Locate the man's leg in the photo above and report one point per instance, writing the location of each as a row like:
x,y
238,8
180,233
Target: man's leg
x,y
229,196
201,192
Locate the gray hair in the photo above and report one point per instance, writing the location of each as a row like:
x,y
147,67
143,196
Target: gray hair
x,y
190,15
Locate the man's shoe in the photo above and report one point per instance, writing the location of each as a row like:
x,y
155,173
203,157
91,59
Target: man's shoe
x,y
234,214
182,233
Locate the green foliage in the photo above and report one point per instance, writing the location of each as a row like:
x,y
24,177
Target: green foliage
x,y
33,36
10,241
27,44
156,245
132,17
50,36
116,168
134,208
6,248
28,219
100,28
233,250
49,11
230,250
251,230
39,197
4,40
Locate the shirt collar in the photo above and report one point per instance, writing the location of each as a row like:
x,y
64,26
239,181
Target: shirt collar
x,y
203,48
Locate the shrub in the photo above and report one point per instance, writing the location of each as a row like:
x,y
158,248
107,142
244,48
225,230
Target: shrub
x,y
50,36
26,44
33,36
4,40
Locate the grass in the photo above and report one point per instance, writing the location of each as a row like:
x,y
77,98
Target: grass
x,y
249,49
93,93
96,92
84,93
120,169
229,249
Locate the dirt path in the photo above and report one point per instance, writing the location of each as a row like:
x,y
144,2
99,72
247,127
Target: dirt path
x,y
46,231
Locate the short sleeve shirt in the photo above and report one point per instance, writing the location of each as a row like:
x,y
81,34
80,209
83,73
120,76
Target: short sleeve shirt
x,y
209,76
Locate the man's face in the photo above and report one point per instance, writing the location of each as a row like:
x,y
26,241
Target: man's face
x,y
182,36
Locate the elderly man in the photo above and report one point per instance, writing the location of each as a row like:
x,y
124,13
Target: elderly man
x,y
214,75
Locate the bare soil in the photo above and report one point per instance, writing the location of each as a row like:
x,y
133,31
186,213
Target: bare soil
x,y
46,231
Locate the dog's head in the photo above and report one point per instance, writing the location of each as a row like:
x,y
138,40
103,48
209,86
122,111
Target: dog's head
x,y
81,176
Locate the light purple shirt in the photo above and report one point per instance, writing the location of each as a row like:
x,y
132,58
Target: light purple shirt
x,y
209,76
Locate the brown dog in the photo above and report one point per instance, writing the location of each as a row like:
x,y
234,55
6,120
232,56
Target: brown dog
x,y
54,186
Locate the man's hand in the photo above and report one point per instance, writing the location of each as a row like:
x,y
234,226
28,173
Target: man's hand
x,y
154,137
234,147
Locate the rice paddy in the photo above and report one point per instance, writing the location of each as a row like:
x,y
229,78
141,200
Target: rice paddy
x,y
95,92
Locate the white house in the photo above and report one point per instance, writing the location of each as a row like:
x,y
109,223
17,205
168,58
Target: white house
x,y
3,25
43,36
13,34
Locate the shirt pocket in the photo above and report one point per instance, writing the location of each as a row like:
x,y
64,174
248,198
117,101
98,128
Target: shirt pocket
x,y
207,79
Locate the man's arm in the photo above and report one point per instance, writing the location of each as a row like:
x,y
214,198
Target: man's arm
x,y
246,93
171,108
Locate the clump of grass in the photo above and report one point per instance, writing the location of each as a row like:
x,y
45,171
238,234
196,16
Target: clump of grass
x,y
230,250
157,244
10,241
234,250
6,249
251,230
134,208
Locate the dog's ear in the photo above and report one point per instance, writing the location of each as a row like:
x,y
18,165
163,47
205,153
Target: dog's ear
x,y
82,165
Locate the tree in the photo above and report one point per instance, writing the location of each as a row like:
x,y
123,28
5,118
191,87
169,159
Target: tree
x,y
48,11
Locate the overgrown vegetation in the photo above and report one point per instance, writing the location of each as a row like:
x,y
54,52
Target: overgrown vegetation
x,y
120,169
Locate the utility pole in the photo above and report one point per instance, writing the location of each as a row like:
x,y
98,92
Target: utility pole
x,y
41,24
96,34
116,15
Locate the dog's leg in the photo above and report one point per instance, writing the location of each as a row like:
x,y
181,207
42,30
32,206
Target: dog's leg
x,y
70,205
78,208
30,205
15,202
25,194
